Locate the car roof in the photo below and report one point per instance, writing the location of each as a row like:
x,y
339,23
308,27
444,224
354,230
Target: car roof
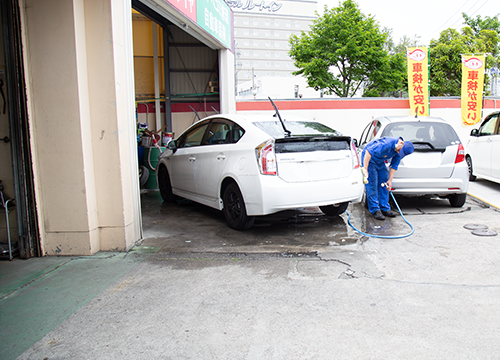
x,y
391,119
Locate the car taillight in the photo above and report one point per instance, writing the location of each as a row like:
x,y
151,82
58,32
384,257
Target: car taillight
x,y
266,158
460,154
355,158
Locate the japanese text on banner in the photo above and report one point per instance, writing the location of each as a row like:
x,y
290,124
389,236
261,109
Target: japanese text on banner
x,y
418,80
472,88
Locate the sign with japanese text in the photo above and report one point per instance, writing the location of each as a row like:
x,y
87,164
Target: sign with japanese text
x,y
418,80
215,17
187,7
472,88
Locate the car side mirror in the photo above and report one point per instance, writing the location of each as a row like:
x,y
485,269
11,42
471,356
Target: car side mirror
x,y
474,132
172,145
355,141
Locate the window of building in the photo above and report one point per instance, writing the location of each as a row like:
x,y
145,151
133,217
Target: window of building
x,y
268,53
268,33
268,64
276,23
288,24
268,23
255,53
246,32
256,22
277,65
256,33
255,43
268,74
246,63
246,53
255,64
247,43
268,43
276,54
245,21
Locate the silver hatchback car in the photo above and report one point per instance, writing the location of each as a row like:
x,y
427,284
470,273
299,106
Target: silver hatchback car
x,y
437,167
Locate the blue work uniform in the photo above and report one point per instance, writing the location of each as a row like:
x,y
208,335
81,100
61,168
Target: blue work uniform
x,y
382,150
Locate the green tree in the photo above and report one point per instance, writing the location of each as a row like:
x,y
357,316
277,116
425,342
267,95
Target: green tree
x,y
478,37
343,50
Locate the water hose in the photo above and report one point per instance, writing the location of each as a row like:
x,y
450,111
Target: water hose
x,y
385,236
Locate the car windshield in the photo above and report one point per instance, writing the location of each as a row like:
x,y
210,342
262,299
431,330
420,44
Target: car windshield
x,y
297,128
437,134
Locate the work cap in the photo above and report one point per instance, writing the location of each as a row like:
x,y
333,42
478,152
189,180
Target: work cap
x,y
407,149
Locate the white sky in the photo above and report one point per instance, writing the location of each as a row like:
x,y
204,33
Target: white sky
x,y
426,18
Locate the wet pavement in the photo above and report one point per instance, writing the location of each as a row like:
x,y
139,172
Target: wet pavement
x,y
185,226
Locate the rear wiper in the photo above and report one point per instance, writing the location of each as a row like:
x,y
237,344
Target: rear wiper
x,y
432,147
423,143
287,132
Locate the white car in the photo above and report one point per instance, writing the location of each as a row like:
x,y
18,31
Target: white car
x,y
260,165
436,167
483,148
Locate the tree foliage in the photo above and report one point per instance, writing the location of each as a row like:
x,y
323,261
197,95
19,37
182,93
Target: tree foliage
x,y
479,36
344,50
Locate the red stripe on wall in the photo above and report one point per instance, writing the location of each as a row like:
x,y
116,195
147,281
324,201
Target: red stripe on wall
x,y
304,104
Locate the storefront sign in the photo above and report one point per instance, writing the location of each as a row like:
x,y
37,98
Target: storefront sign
x,y
187,7
215,17
418,81
472,88
271,6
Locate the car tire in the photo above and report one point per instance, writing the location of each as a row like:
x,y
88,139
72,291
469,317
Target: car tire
x,y
457,200
234,209
143,175
334,210
469,166
164,184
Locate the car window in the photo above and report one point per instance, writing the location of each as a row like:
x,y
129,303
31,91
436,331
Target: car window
x,y
193,137
223,132
373,130
297,128
364,134
426,134
489,126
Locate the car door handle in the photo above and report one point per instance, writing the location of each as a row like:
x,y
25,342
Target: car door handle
x,y
192,159
489,140
221,157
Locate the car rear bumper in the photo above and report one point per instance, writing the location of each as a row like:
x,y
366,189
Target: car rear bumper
x,y
457,184
269,194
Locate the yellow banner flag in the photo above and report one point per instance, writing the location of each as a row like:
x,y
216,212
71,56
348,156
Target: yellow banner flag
x,y
472,88
418,80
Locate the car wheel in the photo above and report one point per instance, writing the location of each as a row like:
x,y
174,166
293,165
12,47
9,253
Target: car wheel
x,y
143,175
164,184
334,210
234,209
469,166
457,200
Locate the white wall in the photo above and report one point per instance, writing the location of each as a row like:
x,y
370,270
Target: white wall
x,y
352,121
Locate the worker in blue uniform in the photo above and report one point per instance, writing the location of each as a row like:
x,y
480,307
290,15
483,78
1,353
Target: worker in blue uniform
x,y
374,158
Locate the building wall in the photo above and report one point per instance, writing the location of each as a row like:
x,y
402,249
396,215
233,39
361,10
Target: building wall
x,y
79,69
261,35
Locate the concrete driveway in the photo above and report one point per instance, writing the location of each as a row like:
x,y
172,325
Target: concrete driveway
x,y
299,287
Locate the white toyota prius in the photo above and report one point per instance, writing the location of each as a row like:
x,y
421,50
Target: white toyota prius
x,y
260,165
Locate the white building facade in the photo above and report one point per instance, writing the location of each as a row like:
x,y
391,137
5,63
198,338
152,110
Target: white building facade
x,y
261,33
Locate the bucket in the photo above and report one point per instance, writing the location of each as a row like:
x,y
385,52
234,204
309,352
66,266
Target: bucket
x,y
150,159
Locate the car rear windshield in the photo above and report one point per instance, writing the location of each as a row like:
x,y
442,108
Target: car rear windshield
x,y
424,134
304,144
296,128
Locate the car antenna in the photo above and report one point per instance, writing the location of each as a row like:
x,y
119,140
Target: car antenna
x,y
288,132
416,112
